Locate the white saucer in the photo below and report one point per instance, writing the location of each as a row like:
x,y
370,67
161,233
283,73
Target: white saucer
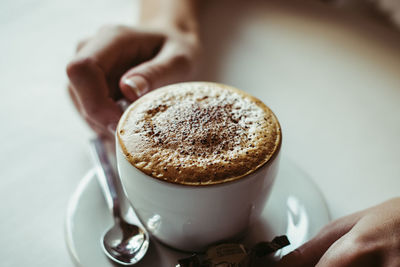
x,y
296,208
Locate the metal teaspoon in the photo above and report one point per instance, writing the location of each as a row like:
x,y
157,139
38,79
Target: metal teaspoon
x,y
123,243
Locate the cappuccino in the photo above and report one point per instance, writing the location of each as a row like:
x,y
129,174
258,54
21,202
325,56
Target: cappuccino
x,y
198,133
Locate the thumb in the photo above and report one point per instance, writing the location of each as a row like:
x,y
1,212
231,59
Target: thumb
x,y
168,67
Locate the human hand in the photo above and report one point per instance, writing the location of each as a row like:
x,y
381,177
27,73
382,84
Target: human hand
x,y
122,61
367,238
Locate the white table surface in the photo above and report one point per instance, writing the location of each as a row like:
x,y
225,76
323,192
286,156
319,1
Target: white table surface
x,y
332,78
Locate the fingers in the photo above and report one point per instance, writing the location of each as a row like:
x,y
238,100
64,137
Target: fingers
x,y
123,60
120,47
310,253
368,238
98,65
98,129
90,92
349,252
169,66
373,241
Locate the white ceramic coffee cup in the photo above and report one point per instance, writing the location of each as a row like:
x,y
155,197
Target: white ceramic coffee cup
x,y
190,218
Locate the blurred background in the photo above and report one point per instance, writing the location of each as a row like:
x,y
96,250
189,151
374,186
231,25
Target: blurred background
x,y
330,70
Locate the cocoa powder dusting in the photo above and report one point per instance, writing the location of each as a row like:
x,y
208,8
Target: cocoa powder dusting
x,y
198,133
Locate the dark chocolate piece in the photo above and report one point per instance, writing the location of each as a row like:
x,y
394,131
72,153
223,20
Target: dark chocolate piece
x,y
263,248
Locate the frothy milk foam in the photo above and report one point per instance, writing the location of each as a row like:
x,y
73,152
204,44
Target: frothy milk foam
x,y
198,133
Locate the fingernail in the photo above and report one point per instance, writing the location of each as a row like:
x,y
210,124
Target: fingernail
x,y
138,85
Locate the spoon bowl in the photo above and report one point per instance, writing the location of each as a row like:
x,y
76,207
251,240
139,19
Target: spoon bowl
x,y
125,243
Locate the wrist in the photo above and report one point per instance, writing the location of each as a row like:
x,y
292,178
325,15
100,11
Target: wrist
x,y
170,28
172,25
178,16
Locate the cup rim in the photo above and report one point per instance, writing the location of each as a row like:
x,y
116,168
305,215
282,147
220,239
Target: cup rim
x,y
223,182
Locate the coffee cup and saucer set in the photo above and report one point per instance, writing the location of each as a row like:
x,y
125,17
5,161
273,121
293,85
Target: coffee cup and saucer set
x,y
187,195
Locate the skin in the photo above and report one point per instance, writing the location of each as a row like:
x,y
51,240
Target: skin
x,y
126,62
369,238
121,62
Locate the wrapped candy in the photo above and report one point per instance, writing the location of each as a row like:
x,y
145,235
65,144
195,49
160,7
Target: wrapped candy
x,y
234,254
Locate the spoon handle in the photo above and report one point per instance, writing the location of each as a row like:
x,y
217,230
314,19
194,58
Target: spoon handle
x,y
106,175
